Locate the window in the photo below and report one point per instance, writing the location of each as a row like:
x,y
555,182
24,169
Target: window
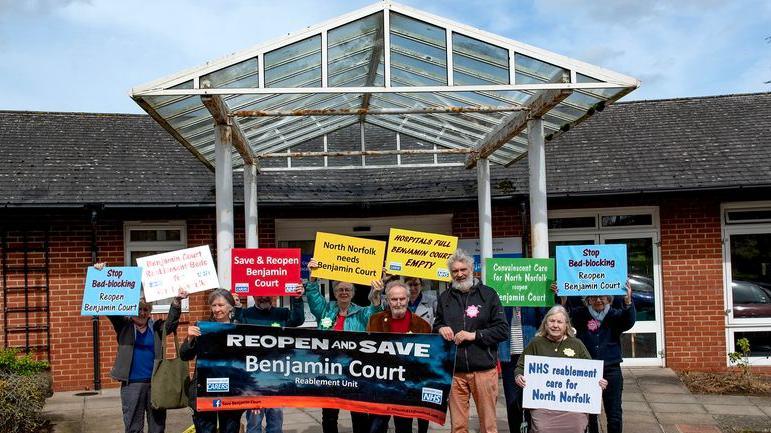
x,y
143,238
747,270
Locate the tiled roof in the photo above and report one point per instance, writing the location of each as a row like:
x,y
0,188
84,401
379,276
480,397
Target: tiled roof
x,y
661,145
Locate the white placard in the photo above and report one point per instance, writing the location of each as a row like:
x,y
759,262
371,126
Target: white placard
x,y
571,385
164,274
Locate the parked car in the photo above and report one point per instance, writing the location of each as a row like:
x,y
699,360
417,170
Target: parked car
x,y
643,296
750,300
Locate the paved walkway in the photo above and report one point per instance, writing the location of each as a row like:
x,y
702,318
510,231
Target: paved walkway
x,y
654,402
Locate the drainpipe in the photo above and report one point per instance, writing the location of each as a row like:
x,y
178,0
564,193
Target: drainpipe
x,y
95,319
523,213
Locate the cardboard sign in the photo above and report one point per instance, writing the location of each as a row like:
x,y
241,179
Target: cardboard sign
x,y
584,270
420,254
164,274
345,258
265,271
112,292
571,385
521,282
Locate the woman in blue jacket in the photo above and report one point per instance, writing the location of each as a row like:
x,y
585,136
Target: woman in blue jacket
x,y
599,325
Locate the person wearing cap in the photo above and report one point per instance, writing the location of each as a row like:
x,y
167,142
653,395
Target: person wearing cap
x,y
263,313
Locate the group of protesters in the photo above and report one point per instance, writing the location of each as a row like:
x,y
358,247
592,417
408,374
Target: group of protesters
x,y
468,313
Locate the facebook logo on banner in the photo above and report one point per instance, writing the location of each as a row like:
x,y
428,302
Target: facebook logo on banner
x,y
216,403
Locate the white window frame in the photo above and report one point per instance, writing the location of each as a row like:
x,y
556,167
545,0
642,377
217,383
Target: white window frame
x,y
732,324
130,246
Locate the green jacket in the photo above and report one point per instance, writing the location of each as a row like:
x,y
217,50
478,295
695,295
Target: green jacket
x,y
357,318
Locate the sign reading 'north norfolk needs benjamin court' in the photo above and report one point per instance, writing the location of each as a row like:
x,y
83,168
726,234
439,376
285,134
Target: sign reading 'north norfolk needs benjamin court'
x,y
346,258
521,282
420,254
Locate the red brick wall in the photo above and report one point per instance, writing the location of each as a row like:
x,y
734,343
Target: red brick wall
x,y
694,305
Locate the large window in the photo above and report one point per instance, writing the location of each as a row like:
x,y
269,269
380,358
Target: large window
x,y
142,239
747,265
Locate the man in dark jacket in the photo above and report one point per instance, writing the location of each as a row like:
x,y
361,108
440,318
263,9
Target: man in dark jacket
x,y
139,350
470,314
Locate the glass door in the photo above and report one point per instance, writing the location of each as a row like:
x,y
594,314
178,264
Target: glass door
x,y
643,344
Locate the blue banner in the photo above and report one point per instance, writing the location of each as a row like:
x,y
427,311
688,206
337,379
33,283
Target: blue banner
x,y
112,292
248,366
584,270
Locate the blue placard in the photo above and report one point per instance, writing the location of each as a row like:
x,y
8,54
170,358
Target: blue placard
x,y
112,292
584,270
478,259
305,273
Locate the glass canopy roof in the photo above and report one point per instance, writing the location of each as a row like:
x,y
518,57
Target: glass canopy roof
x,y
388,65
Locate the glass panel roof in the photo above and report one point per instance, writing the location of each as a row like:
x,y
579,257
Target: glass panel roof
x,y
396,82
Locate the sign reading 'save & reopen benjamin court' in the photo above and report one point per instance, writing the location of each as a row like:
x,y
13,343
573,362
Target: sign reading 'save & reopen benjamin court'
x,y
585,270
265,271
420,254
346,258
521,282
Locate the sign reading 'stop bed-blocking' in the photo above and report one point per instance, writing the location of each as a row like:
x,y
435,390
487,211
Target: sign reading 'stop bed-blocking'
x,y
112,292
265,271
584,270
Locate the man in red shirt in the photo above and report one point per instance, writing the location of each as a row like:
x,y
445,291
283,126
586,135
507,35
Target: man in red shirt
x,y
397,319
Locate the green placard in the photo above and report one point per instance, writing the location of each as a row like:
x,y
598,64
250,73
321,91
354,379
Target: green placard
x,y
521,282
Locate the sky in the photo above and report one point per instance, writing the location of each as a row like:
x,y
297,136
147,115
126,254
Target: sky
x,y
86,55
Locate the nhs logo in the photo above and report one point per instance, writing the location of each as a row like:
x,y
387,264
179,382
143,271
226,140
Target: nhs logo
x,y
432,395
242,287
217,384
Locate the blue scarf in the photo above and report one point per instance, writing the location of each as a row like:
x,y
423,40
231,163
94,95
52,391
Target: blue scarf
x,y
599,315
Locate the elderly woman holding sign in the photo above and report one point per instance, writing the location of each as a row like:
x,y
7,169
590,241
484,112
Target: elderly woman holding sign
x,y
555,338
341,314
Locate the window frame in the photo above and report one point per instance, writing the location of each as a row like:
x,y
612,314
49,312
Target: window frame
x,y
729,228
130,246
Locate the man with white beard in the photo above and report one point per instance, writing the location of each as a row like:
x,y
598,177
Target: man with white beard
x,y
471,315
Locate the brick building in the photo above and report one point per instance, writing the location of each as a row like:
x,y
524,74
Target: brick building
x,y
685,183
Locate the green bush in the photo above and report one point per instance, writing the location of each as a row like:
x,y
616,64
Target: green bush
x,y
24,386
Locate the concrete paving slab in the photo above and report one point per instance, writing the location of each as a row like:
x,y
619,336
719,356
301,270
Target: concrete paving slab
x,y
685,418
636,406
677,407
696,428
760,401
671,398
723,399
766,410
68,427
723,409
632,396
664,389
642,427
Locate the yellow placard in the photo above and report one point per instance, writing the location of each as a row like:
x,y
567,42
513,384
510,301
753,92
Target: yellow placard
x,y
345,258
419,254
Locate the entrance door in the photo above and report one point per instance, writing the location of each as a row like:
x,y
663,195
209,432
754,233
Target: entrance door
x,y
643,344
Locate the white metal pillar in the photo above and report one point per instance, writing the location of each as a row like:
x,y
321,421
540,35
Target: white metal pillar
x,y
250,205
485,213
536,155
223,175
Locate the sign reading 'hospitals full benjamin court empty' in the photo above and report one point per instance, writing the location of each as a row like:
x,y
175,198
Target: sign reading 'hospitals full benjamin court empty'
x,y
346,258
521,282
420,254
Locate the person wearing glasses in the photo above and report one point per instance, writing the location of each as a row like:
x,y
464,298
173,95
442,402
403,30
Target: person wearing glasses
x,y
139,350
422,304
341,314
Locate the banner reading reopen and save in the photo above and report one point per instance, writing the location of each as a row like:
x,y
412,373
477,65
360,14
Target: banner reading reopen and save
x,y
247,366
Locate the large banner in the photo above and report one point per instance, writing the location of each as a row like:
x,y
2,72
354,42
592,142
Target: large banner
x,y
584,270
265,271
112,292
349,259
521,282
247,366
420,254
164,274
571,385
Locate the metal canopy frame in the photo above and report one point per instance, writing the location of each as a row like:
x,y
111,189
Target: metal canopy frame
x,y
463,90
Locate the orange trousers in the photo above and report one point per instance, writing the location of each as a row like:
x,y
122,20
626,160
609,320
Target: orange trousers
x,y
483,387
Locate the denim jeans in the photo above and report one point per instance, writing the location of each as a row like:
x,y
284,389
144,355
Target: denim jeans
x,y
274,420
513,394
611,401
